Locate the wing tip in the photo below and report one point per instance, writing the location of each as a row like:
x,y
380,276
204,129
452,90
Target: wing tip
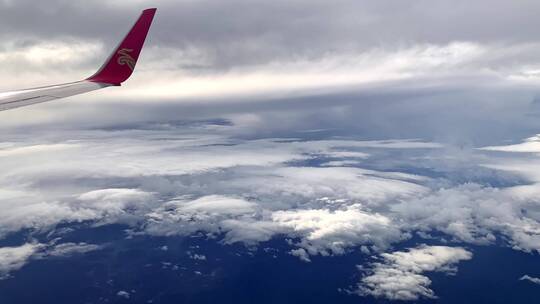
x,y
121,63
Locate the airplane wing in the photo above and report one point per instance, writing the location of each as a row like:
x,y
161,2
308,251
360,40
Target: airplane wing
x,y
117,69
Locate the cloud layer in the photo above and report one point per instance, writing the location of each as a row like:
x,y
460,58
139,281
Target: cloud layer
x,y
14,258
203,178
399,276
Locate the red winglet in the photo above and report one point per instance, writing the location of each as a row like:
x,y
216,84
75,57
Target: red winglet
x,y
121,63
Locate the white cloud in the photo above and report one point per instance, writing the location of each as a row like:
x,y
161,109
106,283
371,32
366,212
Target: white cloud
x,y
523,159
530,279
309,183
250,231
302,254
187,180
69,249
341,163
245,191
121,157
400,275
218,205
29,210
282,199
197,180
530,145
114,205
34,149
476,214
184,216
332,232
46,62
123,294
195,256
14,258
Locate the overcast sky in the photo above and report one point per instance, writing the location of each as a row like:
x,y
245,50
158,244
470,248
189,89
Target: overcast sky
x,y
313,43
443,56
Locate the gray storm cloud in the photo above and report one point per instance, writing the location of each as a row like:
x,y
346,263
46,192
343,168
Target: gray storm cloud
x,y
215,36
346,61
237,30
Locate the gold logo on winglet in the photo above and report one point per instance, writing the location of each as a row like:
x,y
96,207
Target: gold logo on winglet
x,y
126,59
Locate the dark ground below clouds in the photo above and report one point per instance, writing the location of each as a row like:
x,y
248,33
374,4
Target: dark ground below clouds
x,y
234,273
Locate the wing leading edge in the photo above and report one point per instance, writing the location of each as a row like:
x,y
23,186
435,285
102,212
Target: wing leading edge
x,y
117,69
